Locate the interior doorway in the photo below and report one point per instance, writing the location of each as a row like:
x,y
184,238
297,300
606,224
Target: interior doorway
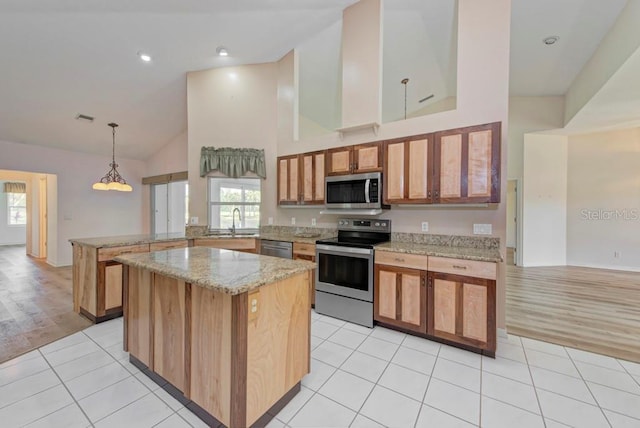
x,y
512,222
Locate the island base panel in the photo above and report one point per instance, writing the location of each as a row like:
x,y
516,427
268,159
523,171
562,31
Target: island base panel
x,y
201,413
109,315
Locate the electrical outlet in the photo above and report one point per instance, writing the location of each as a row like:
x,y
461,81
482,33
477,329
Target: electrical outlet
x,y
482,229
270,220
313,222
293,220
617,254
425,226
194,220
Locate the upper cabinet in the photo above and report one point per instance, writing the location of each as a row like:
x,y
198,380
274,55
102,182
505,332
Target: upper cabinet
x,y
354,159
301,179
467,165
408,167
456,166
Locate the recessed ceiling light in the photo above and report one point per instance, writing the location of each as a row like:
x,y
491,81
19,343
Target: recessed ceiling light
x,y
550,40
145,57
222,51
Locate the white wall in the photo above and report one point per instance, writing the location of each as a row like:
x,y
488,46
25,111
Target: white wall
x,y
544,217
81,211
603,203
9,235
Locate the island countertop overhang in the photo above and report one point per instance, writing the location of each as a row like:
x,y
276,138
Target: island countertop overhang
x,y
226,271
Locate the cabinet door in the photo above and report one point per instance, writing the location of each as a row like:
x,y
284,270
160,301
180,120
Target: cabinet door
x,y
462,310
288,193
312,275
367,157
408,167
339,161
312,178
467,165
400,297
113,285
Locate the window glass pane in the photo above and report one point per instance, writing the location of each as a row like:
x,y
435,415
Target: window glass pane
x,y
16,207
227,194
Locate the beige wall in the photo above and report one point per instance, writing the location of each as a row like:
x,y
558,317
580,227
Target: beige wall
x,y
603,202
231,107
544,216
526,115
171,158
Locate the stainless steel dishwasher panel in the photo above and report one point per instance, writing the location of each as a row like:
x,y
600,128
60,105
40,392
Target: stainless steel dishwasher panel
x,y
282,249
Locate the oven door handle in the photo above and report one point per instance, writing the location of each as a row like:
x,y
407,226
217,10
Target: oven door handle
x,y
331,249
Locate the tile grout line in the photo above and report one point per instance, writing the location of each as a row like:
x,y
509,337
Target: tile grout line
x,y
481,394
68,392
533,383
589,388
424,395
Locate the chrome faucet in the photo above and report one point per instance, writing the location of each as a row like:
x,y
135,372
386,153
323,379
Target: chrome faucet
x,y
233,220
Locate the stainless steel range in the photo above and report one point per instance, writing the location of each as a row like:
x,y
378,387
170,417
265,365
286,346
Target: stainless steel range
x,y
344,277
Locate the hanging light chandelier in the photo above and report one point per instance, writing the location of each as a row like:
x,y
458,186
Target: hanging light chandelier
x,y
112,179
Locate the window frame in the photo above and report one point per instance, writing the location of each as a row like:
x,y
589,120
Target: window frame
x,y
10,206
241,205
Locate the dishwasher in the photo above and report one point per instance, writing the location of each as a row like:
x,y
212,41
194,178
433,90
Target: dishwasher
x,y
282,249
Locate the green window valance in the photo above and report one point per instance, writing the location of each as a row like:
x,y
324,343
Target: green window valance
x,y
232,162
10,187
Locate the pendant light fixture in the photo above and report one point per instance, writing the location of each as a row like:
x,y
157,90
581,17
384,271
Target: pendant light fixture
x,y
404,82
112,179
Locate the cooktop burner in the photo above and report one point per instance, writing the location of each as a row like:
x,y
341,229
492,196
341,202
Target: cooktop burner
x,y
360,233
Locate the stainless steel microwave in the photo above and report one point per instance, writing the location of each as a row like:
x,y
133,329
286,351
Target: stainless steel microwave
x,y
357,191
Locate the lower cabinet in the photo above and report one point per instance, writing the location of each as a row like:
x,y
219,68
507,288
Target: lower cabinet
x,y
429,297
400,297
463,310
307,252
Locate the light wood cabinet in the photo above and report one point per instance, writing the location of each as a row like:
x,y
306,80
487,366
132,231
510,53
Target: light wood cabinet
x,y
408,166
301,179
307,252
462,310
247,245
467,165
400,297
356,159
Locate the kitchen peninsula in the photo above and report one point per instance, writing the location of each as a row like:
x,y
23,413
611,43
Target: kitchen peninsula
x,y
229,331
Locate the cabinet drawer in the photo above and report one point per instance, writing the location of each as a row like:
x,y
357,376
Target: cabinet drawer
x,y
227,244
305,249
159,246
413,261
106,254
486,270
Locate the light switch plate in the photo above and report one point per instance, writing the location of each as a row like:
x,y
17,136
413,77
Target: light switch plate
x,y
313,222
270,220
194,220
293,220
482,229
425,226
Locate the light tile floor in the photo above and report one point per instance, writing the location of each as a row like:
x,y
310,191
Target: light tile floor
x,y
359,378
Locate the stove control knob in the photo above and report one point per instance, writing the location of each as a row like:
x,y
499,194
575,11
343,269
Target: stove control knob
x,y
383,224
377,224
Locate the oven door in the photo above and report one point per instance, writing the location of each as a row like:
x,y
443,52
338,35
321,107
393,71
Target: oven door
x,y
345,271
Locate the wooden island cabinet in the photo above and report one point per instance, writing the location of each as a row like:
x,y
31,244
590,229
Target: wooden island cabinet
x,y
233,349
97,278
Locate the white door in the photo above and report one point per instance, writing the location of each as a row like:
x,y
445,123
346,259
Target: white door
x,y
160,208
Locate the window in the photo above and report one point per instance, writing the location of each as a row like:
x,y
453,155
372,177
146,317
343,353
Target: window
x,y
17,208
226,194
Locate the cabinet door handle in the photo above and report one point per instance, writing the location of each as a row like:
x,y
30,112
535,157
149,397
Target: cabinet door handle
x,y
437,194
459,267
398,259
422,282
126,252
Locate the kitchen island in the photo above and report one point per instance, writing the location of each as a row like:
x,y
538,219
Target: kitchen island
x,y
229,331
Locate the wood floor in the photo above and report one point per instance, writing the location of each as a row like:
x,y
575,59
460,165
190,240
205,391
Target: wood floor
x,y
592,309
35,303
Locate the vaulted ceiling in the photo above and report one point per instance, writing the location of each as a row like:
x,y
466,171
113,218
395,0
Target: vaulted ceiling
x,y
63,58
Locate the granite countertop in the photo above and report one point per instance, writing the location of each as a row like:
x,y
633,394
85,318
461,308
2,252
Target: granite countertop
x,y
118,241
226,271
464,253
